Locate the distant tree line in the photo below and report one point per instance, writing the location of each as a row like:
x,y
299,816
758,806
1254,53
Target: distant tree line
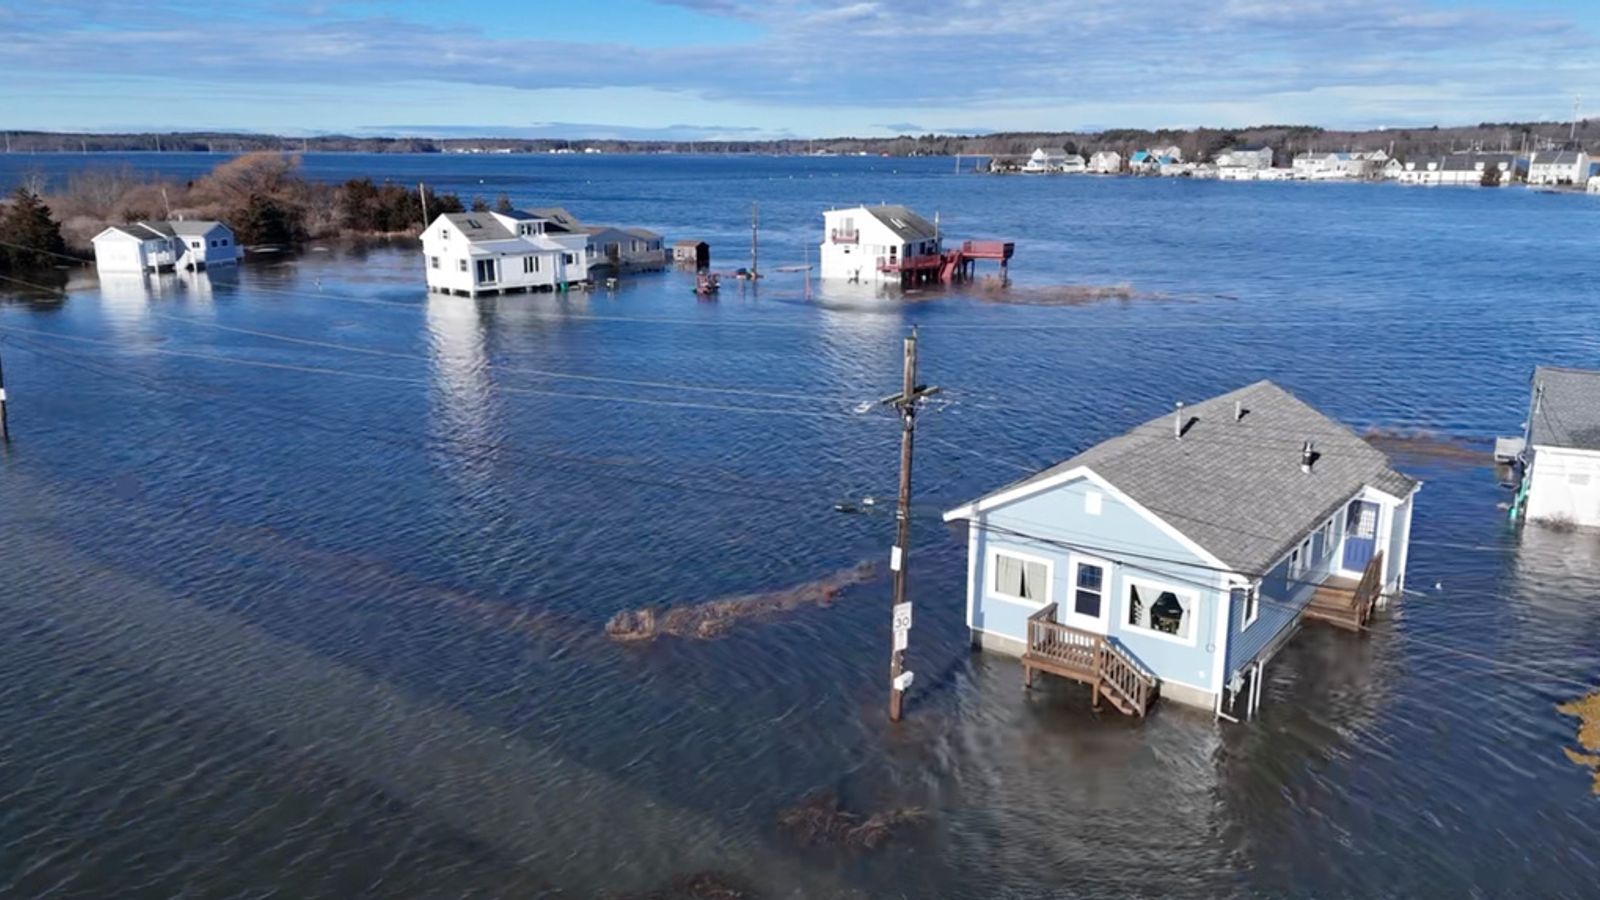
x,y
1197,143
263,197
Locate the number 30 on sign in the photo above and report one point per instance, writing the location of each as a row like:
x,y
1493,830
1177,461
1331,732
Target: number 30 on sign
x,y
902,616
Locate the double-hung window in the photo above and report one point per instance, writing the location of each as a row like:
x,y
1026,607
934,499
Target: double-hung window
x,y
1161,610
1021,578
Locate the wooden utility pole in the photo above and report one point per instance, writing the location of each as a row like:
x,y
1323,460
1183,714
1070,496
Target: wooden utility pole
x,y
910,396
5,427
755,241
422,191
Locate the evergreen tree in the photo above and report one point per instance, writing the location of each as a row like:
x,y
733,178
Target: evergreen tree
x,y
502,204
28,233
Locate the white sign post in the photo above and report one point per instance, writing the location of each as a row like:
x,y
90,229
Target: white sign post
x,y
901,639
902,617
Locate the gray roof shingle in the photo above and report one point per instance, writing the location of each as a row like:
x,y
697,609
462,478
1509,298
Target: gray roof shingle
x,y
906,225
479,227
1236,487
1566,409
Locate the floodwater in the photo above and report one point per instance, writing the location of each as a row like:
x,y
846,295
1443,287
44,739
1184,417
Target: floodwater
x,y
306,572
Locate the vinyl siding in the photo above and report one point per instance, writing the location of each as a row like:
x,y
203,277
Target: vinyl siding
x,y
1117,532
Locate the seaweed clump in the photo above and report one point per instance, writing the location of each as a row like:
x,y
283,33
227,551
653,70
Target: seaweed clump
x,y
819,820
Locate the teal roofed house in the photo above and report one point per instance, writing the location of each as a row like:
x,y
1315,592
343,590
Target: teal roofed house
x,y
1175,560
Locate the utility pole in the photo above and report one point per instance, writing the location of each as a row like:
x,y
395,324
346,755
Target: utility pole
x,y
910,396
755,241
1577,109
422,191
5,427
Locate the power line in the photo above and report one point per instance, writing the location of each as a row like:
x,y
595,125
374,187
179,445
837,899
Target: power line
x,y
396,379
392,437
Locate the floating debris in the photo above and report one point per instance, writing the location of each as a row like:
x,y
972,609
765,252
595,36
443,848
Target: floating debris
x,y
714,618
818,820
1062,294
1425,444
1586,711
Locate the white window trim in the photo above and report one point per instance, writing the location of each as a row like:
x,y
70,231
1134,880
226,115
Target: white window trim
x,y
993,567
1188,597
1068,611
1252,611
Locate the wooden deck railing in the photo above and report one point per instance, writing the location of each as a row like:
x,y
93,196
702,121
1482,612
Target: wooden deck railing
x,y
1088,657
1369,589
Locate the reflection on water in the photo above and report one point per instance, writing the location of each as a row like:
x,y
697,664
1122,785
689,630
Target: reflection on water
x,y
332,623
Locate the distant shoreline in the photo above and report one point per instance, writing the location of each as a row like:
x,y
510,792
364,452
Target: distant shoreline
x,y
1196,143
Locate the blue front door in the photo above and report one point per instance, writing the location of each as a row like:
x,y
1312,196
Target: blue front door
x,y
1360,534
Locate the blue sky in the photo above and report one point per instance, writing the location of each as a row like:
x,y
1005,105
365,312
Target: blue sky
x,y
703,69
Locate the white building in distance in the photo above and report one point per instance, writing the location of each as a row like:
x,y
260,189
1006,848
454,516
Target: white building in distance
x,y
160,246
1551,167
876,244
1105,162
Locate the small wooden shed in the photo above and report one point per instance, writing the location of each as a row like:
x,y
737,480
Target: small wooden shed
x,y
692,252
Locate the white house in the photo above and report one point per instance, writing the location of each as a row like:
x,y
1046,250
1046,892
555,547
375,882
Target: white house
x,y
1594,184
1245,157
475,253
1105,162
159,246
1561,456
1462,169
1045,160
1074,164
1559,167
878,245
1340,165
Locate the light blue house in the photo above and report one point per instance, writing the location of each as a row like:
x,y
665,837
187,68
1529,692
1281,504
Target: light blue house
x,y
1175,560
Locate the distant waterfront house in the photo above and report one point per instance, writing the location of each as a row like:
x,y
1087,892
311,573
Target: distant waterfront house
x,y
1392,169
876,244
475,253
1074,164
1339,165
159,246
1045,160
1561,459
1188,550
1558,167
1255,157
1105,162
1171,151
1594,184
1144,161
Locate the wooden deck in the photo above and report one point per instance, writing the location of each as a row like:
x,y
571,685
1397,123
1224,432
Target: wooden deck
x,y
1348,602
1089,658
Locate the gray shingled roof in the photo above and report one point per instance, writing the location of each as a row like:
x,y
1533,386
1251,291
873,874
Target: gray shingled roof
x,y
558,219
906,225
1555,158
1236,487
479,227
1468,162
1566,411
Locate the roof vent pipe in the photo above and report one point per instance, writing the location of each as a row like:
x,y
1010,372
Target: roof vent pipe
x,y
1177,421
1307,457
1238,410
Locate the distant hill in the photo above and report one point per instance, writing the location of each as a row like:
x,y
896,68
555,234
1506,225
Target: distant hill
x,y
1196,143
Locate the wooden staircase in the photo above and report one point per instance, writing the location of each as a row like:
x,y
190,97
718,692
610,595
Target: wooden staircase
x,y
1347,603
1090,658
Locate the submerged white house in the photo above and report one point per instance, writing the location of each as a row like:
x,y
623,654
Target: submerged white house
x,y
191,244
1561,457
877,244
1175,560
490,252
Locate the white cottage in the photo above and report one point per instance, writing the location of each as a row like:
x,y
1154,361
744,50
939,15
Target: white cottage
x,y
1105,162
1553,167
1178,558
476,253
878,245
1045,160
159,246
1561,459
